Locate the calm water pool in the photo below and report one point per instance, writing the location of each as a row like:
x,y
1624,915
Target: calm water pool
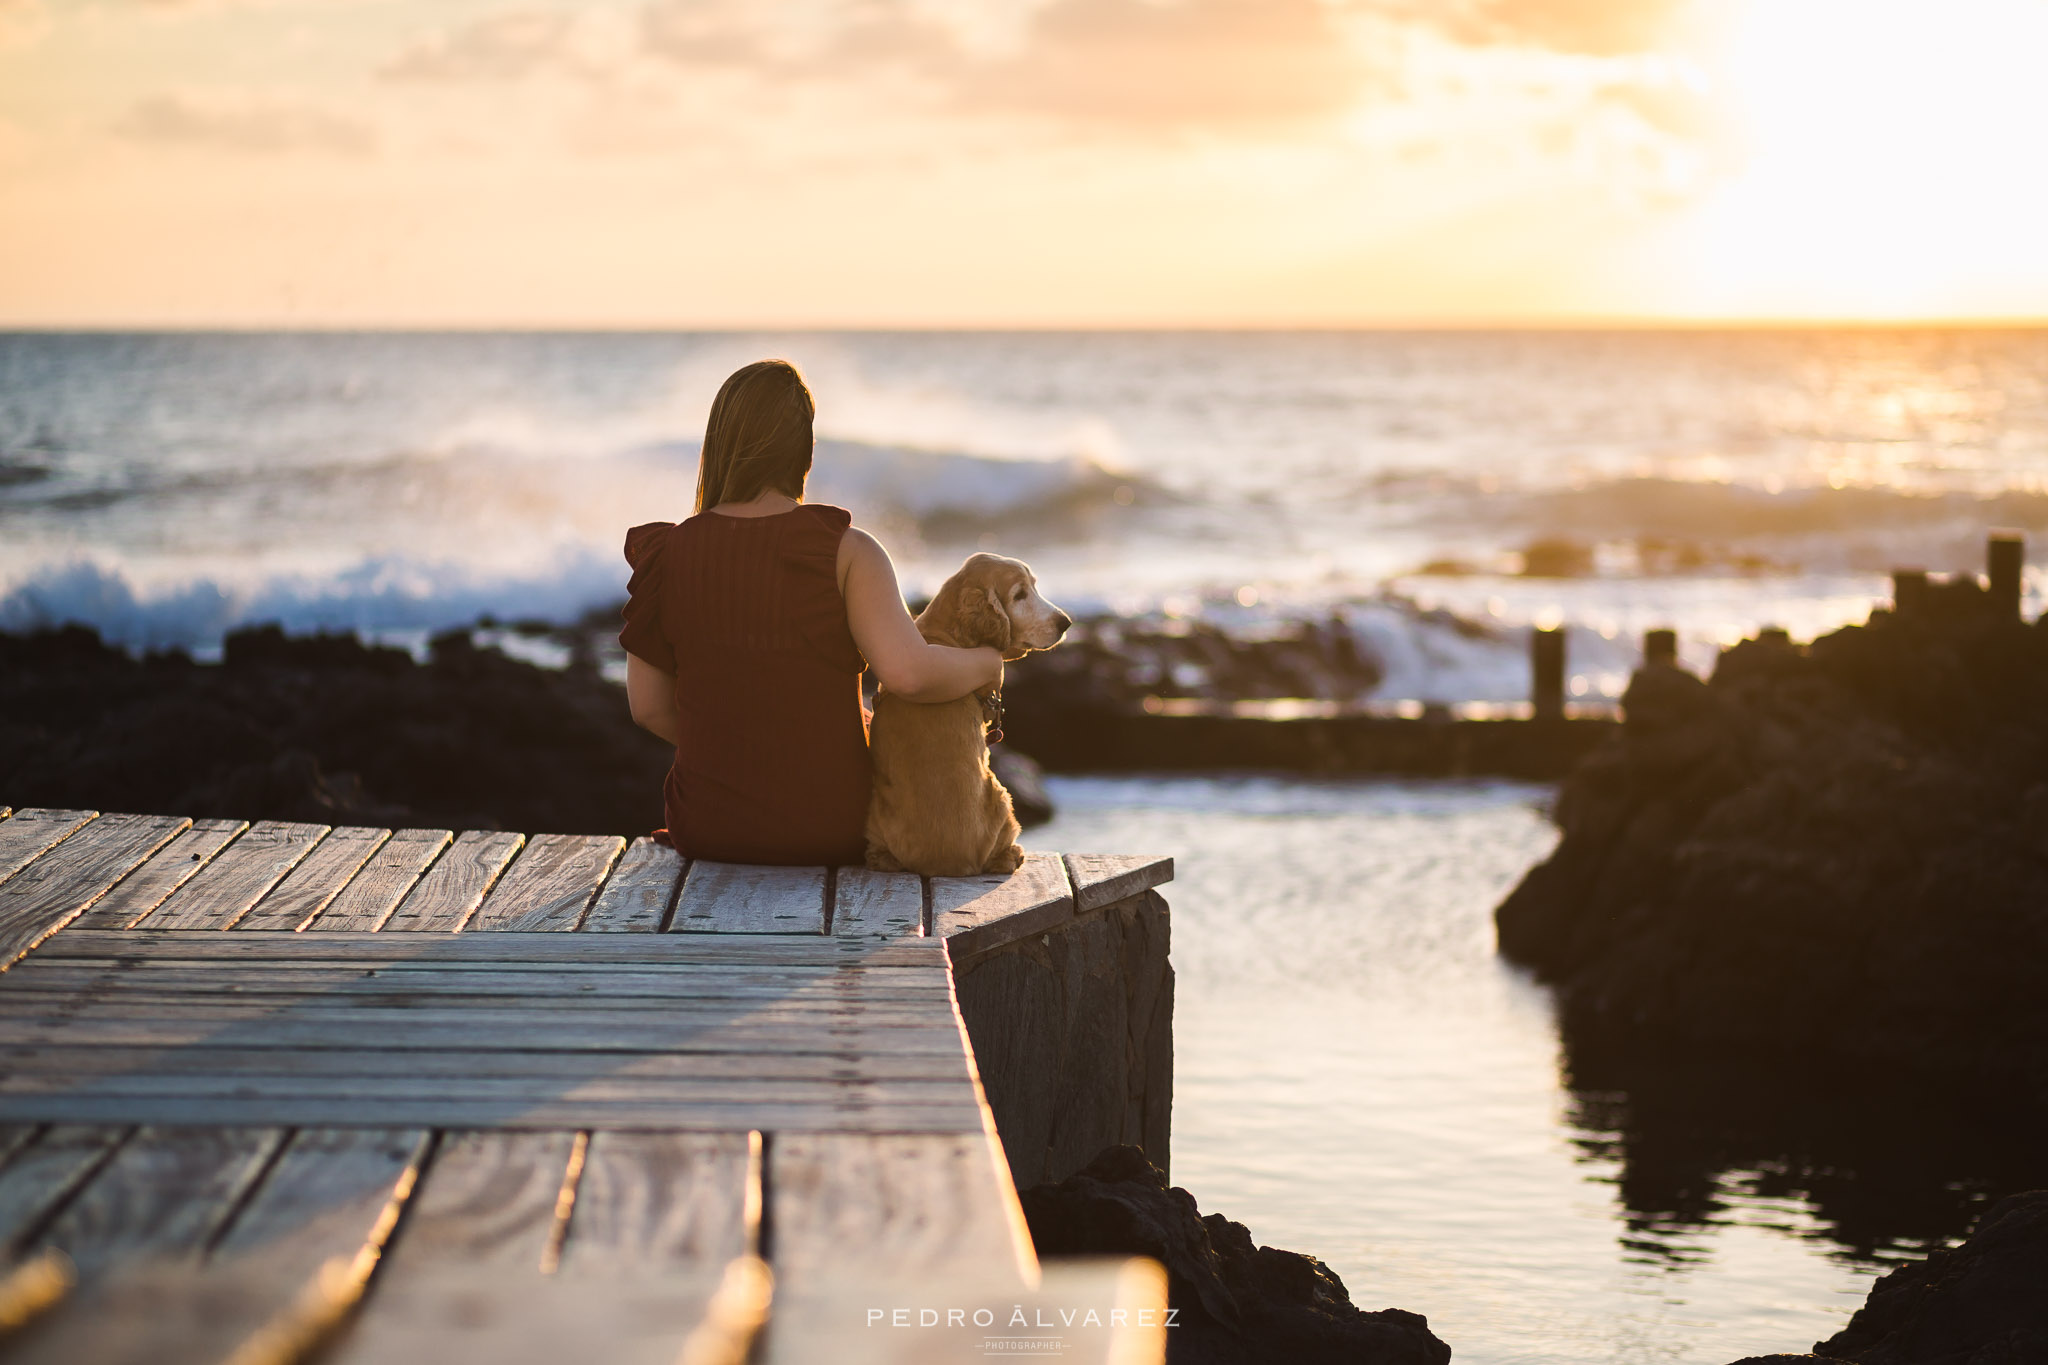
x,y
1359,1077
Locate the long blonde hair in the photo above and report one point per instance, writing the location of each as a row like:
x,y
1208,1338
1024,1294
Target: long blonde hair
x,y
758,438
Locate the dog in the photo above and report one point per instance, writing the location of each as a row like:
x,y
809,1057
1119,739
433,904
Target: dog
x,y
936,808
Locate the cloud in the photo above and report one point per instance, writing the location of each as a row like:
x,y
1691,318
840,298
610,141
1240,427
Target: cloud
x,y
22,22
497,47
1594,27
1198,62
1138,63
244,123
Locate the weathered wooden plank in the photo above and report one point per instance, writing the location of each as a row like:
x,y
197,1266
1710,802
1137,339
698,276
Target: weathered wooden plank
x,y
598,1088
550,885
82,1062
876,904
376,1032
322,1198
169,1312
15,1136
975,914
642,888
1094,1312
164,1194
627,986
373,893
27,833
488,1199
144,889
132,1002
506,1116
140,991
317,880
456,884
456,1313
238,876
29,1289
658,1201
327,1196
791,950
735,898
916,1206
48,893
1101,879
42,1173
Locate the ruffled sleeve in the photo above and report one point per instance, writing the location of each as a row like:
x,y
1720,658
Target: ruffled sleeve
x,y
643,635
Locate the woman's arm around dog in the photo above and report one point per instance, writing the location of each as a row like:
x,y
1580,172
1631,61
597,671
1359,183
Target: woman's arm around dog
x,y
903,661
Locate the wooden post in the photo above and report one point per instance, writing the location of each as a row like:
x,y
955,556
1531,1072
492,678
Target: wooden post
x,y
1546,672
2004,556
1909,593
1660,646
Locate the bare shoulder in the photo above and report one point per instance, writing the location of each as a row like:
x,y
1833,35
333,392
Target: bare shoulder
x,y
858,549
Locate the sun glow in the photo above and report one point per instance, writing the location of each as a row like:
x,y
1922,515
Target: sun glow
x,y
1890,155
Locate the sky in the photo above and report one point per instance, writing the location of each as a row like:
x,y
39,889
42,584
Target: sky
x,y
993,163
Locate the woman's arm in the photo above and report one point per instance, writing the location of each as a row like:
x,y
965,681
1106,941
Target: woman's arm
x,y
903,662
651,695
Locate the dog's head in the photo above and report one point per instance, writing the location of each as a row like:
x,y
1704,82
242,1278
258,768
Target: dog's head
x,y
993,601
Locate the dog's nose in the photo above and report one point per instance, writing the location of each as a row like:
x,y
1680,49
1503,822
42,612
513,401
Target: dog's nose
x,y
1064,620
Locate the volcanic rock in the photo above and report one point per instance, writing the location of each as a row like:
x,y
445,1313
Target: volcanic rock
x,y
1835,852
1239,1303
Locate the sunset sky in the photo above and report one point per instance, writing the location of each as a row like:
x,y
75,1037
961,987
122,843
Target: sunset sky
x,y
1019,162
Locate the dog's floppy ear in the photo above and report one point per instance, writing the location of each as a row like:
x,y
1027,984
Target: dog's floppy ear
x,y
983,620
966,612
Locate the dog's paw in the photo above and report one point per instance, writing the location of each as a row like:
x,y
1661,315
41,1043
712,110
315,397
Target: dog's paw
x,y
881,860
1006,861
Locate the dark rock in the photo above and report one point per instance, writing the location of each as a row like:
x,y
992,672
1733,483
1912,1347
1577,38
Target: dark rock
x,y
327,729
1982,1303
1117,662
1238,1302
1834,853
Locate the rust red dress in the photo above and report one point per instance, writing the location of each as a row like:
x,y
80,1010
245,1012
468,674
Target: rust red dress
x,y
771,760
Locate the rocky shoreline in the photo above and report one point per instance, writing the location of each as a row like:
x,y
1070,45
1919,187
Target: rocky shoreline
x,y
1980,1303
1836,853
324,728
1239,1303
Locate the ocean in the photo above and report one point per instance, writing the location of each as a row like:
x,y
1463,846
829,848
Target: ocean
x,y
165,488
1359,1076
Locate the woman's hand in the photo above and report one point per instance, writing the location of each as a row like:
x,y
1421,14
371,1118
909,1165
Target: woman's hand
x,y
903,661
651,696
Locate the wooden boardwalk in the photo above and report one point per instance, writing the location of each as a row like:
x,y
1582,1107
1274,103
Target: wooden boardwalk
x,y
278,1090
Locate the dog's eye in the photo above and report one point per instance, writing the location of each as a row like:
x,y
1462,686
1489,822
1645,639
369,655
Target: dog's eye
x,y
1019,595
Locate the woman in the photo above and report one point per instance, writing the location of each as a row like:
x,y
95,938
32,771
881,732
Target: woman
x,y
747,629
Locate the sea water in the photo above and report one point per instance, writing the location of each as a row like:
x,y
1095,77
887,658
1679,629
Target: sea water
x,y
168,487
1359,1076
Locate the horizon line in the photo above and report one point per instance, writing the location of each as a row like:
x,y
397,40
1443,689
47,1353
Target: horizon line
x,y
1591,323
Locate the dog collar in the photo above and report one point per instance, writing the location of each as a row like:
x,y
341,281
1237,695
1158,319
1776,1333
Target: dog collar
x,y
992,709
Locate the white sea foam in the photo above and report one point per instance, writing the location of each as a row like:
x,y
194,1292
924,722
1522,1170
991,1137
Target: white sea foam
x,y
167,489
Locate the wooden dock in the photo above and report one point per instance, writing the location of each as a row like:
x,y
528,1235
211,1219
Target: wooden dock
x,y
277,1091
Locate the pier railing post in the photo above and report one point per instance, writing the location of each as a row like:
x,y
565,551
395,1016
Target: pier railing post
x,y
1546,672
2004,558
1909,593
1660,646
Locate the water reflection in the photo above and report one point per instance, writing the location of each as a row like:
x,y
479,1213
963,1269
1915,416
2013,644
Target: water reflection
x,y
1876,1166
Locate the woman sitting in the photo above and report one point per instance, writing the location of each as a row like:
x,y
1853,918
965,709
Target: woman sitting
x,y
747,629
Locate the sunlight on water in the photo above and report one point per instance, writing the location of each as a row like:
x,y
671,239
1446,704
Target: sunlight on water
x,y
1358,1077
165,488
